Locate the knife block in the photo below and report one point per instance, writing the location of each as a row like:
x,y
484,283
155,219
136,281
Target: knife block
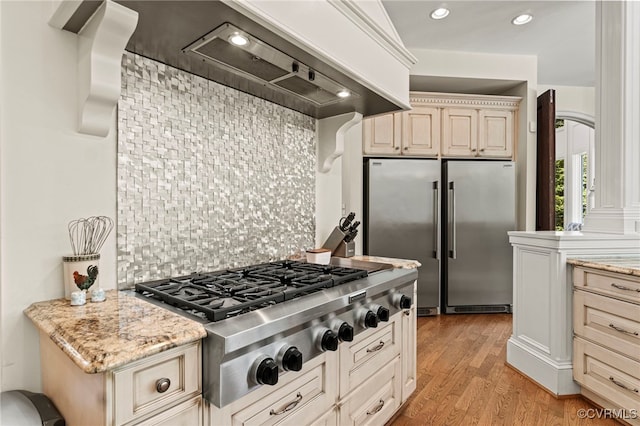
x,y
333,242
345,249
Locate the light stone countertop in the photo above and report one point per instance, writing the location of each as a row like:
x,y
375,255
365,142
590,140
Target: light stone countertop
x,y
102,336
397,263
628,265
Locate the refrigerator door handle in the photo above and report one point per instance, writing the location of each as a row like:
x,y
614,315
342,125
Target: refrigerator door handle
x,y
436,221
452,221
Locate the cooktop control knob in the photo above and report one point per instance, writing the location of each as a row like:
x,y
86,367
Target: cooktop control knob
x,y
291,359
367,319
401,301
381,312
327,340
266,371
345,332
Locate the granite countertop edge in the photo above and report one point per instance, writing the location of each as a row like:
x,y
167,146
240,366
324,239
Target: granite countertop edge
x,y
627,265
397,263
99,337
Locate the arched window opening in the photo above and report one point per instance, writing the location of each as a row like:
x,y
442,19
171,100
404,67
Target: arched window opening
x,y
575,173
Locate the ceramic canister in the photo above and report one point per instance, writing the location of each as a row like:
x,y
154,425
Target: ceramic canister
x,y
80,273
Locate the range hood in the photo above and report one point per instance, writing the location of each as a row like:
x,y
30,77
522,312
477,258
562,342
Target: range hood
x,y
194,36
255,60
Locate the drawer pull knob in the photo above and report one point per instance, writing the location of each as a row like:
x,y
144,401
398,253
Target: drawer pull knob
x,y
162,385
376,408
376,348
622,330
290,406
622,287
617,383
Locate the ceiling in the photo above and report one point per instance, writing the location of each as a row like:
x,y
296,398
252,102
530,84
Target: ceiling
x,y
561,35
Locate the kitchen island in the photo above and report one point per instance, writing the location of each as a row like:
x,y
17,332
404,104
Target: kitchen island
x,y
541,342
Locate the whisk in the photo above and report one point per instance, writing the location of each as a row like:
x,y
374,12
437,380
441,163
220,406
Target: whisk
x,y
87,236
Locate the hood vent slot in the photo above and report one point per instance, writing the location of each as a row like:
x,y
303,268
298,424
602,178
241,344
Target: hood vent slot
x,y
265,64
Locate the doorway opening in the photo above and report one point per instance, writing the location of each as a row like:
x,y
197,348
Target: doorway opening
x,y
574,171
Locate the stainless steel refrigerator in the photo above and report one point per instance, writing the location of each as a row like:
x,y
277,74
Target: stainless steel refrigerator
x,y
451,216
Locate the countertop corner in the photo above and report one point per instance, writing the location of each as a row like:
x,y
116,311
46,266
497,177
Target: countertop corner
x,y
102,336
627,264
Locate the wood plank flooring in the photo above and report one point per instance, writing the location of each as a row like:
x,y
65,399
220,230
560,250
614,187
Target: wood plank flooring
x,y
463,379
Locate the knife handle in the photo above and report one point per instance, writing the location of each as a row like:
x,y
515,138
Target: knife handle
x,y
346,221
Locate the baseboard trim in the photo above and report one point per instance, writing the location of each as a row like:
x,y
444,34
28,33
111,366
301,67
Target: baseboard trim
x,y
556,396
556,378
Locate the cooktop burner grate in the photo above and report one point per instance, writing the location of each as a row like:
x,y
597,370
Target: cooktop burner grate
x,y
222,294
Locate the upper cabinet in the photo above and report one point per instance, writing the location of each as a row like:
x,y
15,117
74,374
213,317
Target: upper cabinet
x,y
383,134
446,125
421,131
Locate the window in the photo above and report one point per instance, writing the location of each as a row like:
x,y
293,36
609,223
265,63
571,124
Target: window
x,y
574,172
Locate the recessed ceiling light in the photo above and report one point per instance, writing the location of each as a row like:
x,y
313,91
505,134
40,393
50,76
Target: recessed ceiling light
x,y
238,39
525,18
344,93
440,13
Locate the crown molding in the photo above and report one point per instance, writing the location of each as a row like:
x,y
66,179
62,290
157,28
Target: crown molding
x,y
456,99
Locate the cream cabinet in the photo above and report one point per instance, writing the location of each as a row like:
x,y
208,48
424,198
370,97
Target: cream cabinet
x,y
415,132
382,134
161,389
459,132
606,344
496,133
421,131
446,125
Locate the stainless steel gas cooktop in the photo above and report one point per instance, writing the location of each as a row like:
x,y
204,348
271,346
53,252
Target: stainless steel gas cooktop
x,y
267,320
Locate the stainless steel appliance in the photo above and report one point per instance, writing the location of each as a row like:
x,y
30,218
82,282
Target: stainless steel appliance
x,y
266,320
431,210
402,200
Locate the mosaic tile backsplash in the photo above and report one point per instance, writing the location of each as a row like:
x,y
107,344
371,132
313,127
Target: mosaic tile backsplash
x,y
208,177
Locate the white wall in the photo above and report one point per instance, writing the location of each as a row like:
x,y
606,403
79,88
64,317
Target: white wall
x,y
50,175
352,179
573,98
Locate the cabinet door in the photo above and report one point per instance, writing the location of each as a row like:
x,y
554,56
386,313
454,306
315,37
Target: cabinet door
x,y
460,132
421,131
381,135
373,349
138,386
376,400
496,134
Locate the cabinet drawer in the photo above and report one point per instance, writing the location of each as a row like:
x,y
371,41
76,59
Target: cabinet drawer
x,y
302,399
606,373
364,407
137,387
371,351
610,284
188,413
609,322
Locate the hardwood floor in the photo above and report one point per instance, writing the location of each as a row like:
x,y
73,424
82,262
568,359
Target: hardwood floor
x,y
463,379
